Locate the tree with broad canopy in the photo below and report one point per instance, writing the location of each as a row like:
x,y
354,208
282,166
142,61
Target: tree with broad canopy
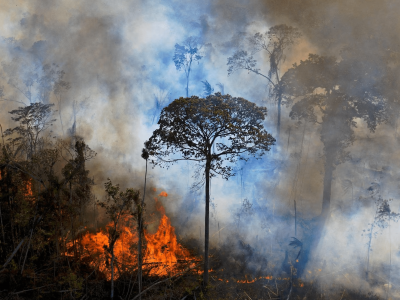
x,y
325,95
215,132
275,42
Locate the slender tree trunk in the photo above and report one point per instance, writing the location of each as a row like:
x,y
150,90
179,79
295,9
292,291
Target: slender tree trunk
x,y
390,258
187,78
288,139
369,249
295,219
140,258
2,227
326,197
29,243
60,225
187,86
278,125
72,220
112,272
207,225
59,113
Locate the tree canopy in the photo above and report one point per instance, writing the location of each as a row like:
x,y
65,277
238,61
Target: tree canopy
x,y
33,120
274,42
320,88
185,55
193,125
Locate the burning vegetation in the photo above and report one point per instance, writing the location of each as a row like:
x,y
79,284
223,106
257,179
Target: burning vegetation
x,y
48,204
164,255
313,210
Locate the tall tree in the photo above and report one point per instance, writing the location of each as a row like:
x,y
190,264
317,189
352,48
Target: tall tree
x,y
274,42
140,209
185,55
34,81
324,97
192,126
36,203
33,120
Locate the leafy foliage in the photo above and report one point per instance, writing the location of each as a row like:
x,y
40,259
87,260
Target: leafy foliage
x,y
322,97
245,210
191,126
382,218
274,42
33,120
385,214
242,60
207,88
118,206
317,84
34,81
185,55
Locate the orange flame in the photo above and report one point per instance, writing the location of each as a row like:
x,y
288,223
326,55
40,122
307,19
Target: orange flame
x,y
162,247
162,254
28,189
260,278
93,245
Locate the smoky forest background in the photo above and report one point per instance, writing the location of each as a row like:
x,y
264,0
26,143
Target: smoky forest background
x,y
86,211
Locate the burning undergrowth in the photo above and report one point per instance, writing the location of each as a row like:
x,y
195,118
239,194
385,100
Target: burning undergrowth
x,y
244,261
163,254
261,244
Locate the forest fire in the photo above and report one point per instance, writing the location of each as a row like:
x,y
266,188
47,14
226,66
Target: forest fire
x,y
259,278
124,250
273,125
162,253
163,248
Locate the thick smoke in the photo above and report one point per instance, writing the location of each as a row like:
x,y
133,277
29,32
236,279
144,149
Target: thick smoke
x,y
117,57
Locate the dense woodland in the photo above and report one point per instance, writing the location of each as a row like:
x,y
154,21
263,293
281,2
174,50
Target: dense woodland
x,y
61,239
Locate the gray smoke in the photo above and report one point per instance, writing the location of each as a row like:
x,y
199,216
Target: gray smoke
x,y
117,57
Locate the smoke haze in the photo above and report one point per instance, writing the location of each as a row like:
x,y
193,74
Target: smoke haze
x,y
117,57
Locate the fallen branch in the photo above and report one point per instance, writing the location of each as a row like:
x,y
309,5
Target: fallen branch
x,y
12,255
29,243
32,289
270,290
247,295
